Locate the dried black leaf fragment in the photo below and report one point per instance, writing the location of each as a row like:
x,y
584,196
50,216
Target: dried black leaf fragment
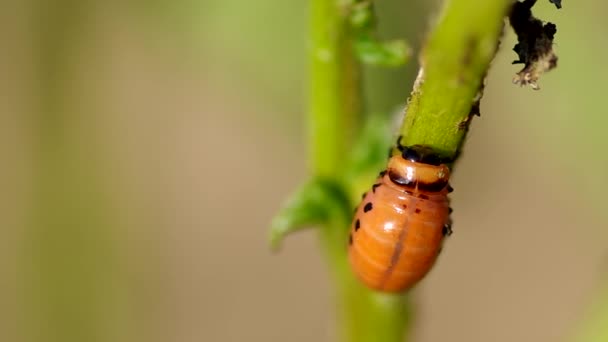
x,y
535,43
557,3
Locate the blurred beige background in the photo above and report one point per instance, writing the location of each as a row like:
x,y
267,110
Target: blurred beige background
x,y
145,147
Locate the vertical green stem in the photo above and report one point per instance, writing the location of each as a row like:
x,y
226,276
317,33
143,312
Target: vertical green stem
x,y
334,112
67,261
335,91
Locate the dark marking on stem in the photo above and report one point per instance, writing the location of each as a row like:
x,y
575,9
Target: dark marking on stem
x,y
475,110
463,125
476,107
469,51
467,58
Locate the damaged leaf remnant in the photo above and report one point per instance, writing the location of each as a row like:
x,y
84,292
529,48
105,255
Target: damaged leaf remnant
x,y
535,43
557,3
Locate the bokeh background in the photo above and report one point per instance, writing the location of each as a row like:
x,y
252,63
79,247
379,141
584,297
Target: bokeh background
x,y
145,146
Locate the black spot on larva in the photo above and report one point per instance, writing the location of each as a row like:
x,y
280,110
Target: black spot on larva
x,y
374,187
363,195
405,206
400,180
368,207
432,187
447,230
450,210
382,173
417,210
357,225
350,239
423,196
450,189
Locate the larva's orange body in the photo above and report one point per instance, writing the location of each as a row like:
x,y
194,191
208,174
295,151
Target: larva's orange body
x,y
399,226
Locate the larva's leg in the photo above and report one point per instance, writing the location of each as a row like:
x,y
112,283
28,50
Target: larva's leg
x,y
447,229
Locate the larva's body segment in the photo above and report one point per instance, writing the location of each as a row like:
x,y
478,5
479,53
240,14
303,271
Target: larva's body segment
x,y
399,226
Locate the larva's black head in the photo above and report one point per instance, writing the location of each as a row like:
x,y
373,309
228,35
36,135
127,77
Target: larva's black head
x,y
421,154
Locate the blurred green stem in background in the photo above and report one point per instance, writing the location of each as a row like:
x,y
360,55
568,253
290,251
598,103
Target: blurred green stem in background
x,y
335,90
456,59
69,246
595,327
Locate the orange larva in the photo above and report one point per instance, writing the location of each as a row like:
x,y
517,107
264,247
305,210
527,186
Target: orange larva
x,y
399,226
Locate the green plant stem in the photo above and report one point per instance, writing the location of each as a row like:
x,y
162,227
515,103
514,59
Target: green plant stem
x,y
334,87
335,110
68,244
454,63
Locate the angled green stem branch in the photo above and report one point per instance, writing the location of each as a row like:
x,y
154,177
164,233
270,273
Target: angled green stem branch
x,y
450,83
